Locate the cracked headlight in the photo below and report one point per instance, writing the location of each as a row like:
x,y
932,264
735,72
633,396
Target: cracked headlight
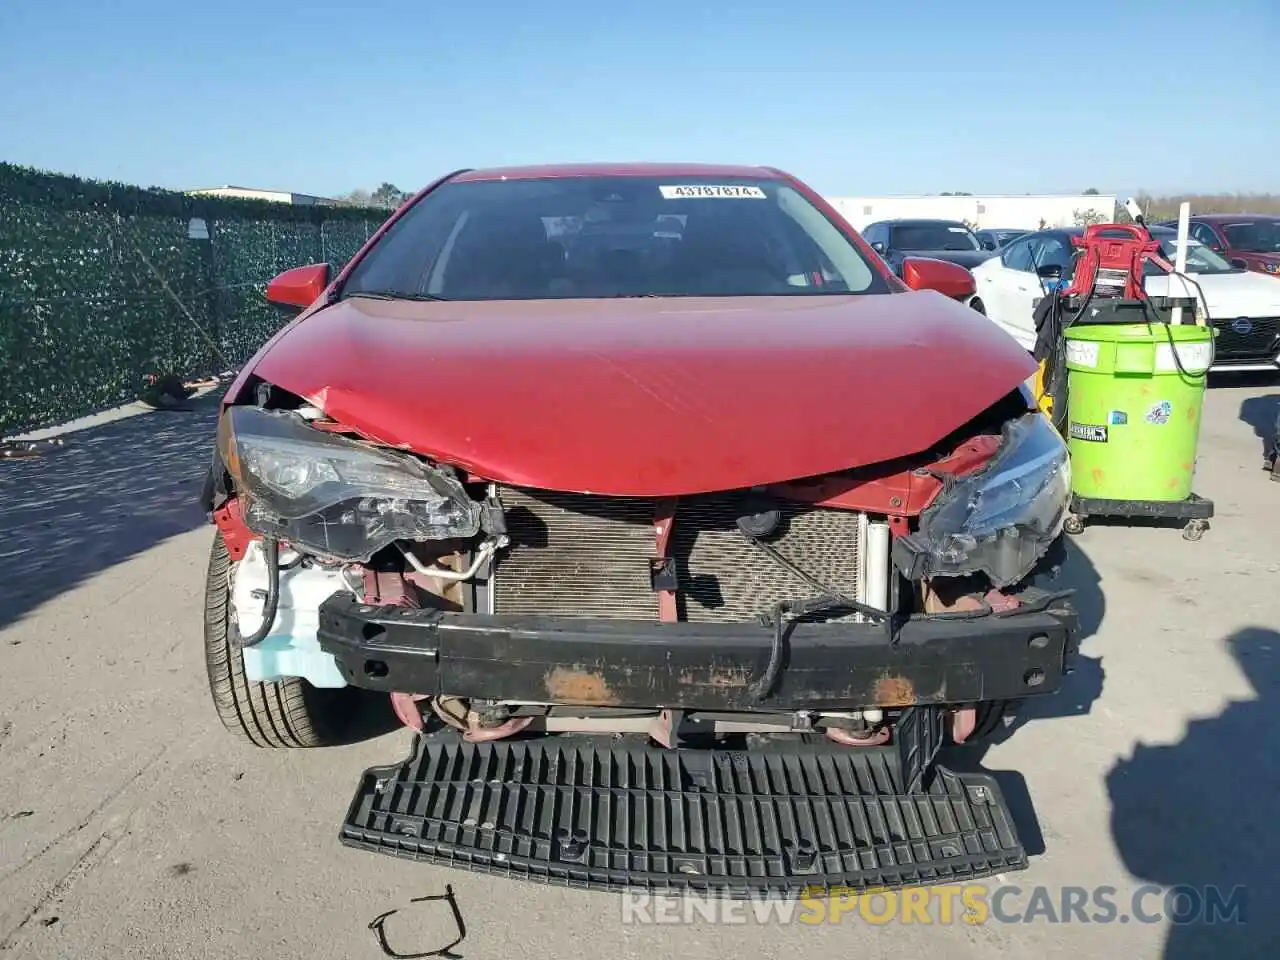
x,y
1001,520
339,497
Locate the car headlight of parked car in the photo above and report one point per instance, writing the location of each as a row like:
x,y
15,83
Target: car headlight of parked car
x,y
339,497
1001,520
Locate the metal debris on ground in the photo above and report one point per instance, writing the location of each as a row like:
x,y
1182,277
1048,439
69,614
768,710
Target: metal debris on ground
x,y
377,925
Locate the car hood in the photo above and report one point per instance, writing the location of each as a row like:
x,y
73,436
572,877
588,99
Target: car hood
x,y
1226,295
651,397
965,258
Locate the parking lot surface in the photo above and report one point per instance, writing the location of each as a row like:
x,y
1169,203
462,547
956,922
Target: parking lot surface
x,y
131,825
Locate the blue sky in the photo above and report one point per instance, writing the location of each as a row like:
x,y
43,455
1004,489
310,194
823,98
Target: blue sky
x,y
854,96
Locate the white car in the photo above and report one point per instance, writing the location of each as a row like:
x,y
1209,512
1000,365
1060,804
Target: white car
x,y
1244,306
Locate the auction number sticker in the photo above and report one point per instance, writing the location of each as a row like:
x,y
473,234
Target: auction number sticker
x,y
1088,431
702,191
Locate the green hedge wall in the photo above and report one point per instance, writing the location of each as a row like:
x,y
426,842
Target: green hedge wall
x,y
101,286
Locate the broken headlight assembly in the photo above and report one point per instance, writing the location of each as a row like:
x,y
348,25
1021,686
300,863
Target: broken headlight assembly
x,y
335,496
1001,520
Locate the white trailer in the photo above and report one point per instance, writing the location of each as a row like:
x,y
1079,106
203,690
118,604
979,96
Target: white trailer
x,y
1026,212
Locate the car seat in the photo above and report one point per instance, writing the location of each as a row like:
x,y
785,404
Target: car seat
x,y
502,257
719,255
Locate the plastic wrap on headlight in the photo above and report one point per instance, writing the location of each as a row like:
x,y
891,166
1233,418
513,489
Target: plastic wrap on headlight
x,y
1001,520
339,497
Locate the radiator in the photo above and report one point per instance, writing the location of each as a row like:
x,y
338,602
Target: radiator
x,y
575,555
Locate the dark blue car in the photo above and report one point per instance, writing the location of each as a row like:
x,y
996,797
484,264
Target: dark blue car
x,y
950,240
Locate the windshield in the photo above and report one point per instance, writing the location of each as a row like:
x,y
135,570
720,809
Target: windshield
x,y
933,236
1254,236
586,237
1200,259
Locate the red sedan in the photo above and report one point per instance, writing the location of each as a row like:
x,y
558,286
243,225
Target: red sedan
x,y
1250,241
681,531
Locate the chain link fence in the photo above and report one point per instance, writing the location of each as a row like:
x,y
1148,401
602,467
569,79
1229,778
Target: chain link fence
x,y
103,284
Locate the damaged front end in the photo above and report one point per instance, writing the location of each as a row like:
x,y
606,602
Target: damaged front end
x,y
608,688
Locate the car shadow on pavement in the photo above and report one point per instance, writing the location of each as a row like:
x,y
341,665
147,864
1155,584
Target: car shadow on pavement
x,y
1263,415
1075,698
369,715
110,492
1199,818
1083,685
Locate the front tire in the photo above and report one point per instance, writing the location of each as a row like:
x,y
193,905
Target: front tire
x,y
287,713
978,305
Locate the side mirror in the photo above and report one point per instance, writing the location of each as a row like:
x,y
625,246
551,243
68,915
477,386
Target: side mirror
x,y
878,247
1049,271
986,243
300,287
950,279
1240,262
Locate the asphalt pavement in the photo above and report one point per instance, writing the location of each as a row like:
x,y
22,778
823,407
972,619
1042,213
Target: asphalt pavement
x,y
131,825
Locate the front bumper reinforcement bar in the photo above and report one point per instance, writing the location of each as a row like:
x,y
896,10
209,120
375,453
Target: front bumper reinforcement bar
x,y
690,666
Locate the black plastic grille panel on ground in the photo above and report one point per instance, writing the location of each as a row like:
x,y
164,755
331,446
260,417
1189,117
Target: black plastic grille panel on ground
x,y
721,822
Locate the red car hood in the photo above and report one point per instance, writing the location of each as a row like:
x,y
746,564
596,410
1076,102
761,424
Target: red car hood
x,y
651,397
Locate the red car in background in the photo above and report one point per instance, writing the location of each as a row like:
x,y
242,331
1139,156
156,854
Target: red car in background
x,y
1250,241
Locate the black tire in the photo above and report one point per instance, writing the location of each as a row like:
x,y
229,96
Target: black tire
x,y
977,304
288,713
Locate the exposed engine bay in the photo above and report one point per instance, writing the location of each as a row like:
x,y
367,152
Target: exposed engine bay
x,y
311,511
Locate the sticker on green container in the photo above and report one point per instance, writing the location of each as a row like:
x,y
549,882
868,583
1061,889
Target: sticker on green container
x,y
1159,413
1093,433
1117,418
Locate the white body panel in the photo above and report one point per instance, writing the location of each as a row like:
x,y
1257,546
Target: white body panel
x,y
292,648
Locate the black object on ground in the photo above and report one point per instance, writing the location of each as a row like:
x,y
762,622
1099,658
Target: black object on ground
x,y
599,815
378,926
1195,512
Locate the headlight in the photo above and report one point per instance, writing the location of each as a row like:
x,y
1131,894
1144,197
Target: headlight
x,y
999,521
341,498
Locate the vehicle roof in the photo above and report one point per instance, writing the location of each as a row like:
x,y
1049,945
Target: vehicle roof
x,y
1233,217
1003,230
569,170
921,221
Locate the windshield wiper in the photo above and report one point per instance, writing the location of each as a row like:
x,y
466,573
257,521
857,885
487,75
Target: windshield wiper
x,y
389,295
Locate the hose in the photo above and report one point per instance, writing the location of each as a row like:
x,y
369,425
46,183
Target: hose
x,y
1146,306
271,554
1173,347
827,599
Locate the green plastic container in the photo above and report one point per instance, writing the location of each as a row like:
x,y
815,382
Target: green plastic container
x,y
1133,417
